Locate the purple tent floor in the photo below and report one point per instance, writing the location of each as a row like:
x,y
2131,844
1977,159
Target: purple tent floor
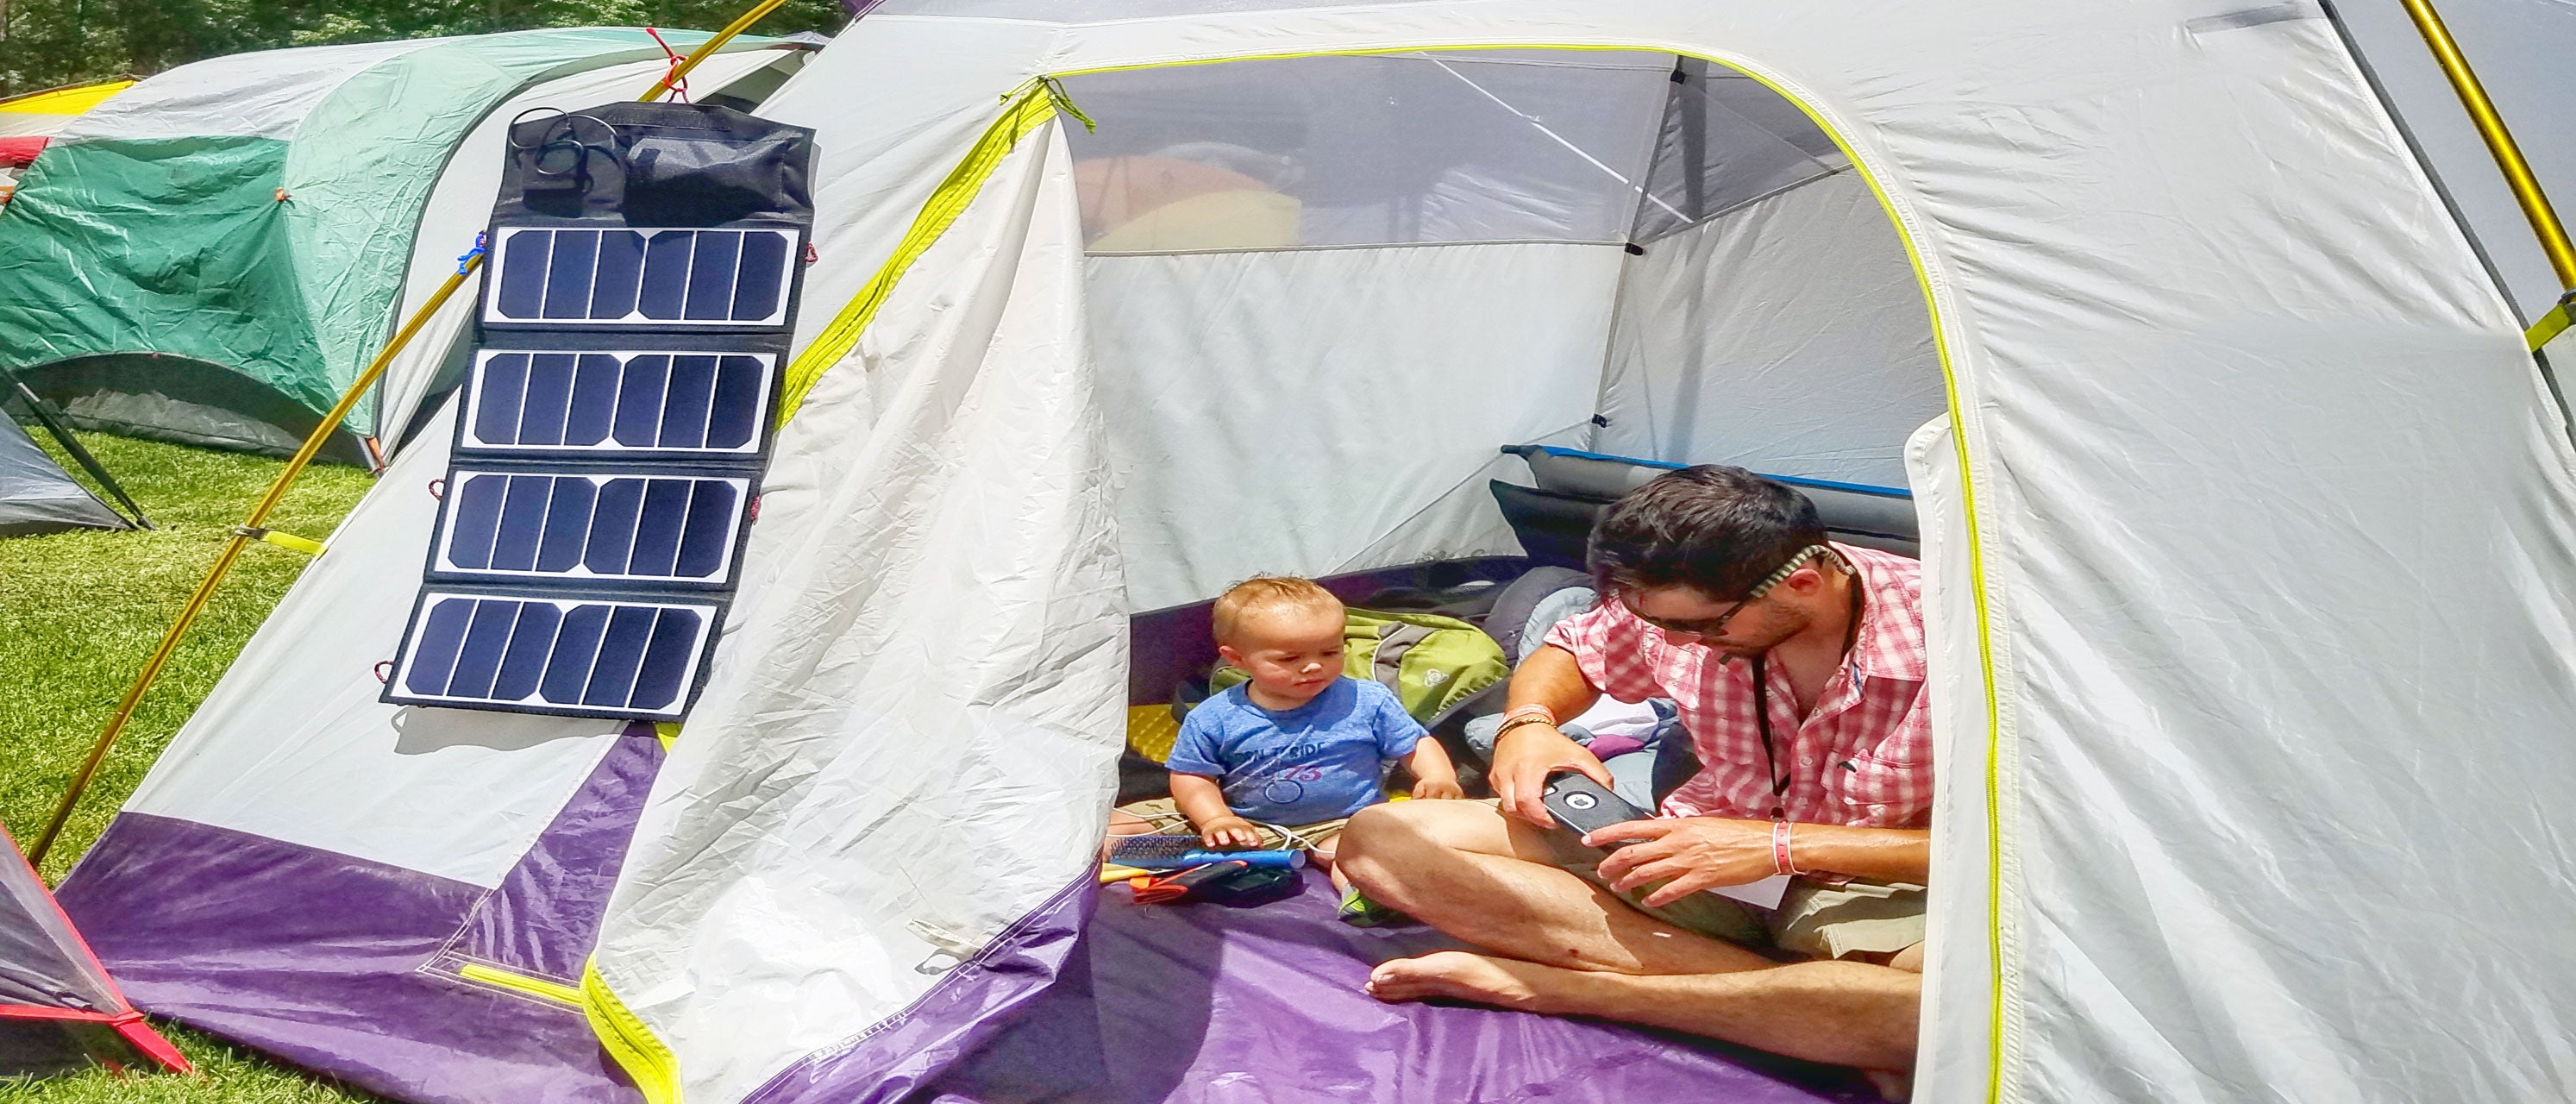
x,y
1205,1003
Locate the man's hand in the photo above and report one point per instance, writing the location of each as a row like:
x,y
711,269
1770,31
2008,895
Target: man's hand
x,y
1523,759
1229,833
1695,853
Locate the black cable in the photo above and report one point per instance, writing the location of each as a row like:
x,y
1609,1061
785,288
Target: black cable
x,y
564,137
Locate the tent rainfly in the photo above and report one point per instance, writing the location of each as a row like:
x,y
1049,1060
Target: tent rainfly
x,y
2247,521
213,255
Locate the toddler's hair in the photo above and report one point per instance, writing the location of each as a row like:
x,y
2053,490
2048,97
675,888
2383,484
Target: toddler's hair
x,y
1263,593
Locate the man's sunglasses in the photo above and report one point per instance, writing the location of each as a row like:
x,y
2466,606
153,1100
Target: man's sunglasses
x,y
1714,627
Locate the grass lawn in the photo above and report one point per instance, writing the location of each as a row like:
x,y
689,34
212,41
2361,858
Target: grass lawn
x,y
79,614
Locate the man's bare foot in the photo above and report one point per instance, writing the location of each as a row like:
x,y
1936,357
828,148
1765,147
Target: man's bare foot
x,y
1459,975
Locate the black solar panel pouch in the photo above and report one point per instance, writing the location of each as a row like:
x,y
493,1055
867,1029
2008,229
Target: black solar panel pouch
x,y
660,164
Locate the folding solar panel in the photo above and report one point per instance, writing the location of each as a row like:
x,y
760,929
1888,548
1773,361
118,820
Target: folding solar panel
x,y
602,656
603,403
607,526
616,414
640,278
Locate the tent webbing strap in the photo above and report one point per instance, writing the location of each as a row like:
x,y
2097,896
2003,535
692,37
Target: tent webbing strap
x,y
241,539
2551,324
287,541
552,991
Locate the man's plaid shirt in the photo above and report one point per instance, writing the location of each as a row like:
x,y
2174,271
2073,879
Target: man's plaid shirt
x,y
1863,756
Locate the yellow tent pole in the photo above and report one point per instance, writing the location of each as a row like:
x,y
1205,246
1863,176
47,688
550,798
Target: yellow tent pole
x,y
679,72
2500,143
242,537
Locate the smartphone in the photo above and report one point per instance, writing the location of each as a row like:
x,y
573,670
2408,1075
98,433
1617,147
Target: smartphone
x,y
1579,803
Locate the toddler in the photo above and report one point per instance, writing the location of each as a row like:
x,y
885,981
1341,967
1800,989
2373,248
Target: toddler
x,y
1285,758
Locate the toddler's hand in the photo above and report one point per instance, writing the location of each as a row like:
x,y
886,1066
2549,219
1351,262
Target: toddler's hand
x,y
1230,833
1437,788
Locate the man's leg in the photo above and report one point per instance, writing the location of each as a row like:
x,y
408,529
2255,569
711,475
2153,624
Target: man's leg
x,y
1842,1013
1491,880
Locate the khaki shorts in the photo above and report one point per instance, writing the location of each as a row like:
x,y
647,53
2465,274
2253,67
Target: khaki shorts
x,y
1167,818
1814,918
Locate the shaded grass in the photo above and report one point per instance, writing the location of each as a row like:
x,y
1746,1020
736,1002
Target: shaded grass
x,y
79,614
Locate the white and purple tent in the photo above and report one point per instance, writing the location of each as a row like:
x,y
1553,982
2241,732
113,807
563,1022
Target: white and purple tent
x,y
2250,529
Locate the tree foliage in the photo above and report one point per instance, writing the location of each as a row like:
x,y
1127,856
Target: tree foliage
x,y
47,43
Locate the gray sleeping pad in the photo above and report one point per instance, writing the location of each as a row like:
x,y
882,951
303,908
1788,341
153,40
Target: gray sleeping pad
x,y
1845,511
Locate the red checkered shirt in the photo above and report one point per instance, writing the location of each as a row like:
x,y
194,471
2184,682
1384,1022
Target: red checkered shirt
x,y
1863,756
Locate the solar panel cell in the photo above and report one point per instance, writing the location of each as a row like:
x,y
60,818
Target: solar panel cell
x,y
502,384
639,401
473,520
684,405
711,276
741,396
523,661
706,536
657,530
520,292
575,649
523,519
567,525
593,412
756,292
666,275
542,412
612,545
621,266
569,273
663,670
621,654
487,635
436,636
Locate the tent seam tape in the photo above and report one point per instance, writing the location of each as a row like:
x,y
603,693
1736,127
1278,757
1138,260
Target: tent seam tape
x,y
551,991
645,1058
1026,113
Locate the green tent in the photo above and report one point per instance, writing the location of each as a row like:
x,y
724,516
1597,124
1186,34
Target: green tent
x,y
215,254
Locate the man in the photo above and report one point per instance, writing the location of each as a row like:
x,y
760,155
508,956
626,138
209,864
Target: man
x,y
1711,578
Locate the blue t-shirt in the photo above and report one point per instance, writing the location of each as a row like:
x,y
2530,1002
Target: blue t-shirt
x,y
1320,761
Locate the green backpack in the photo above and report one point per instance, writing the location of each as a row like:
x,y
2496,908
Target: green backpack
x,y
1431,662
